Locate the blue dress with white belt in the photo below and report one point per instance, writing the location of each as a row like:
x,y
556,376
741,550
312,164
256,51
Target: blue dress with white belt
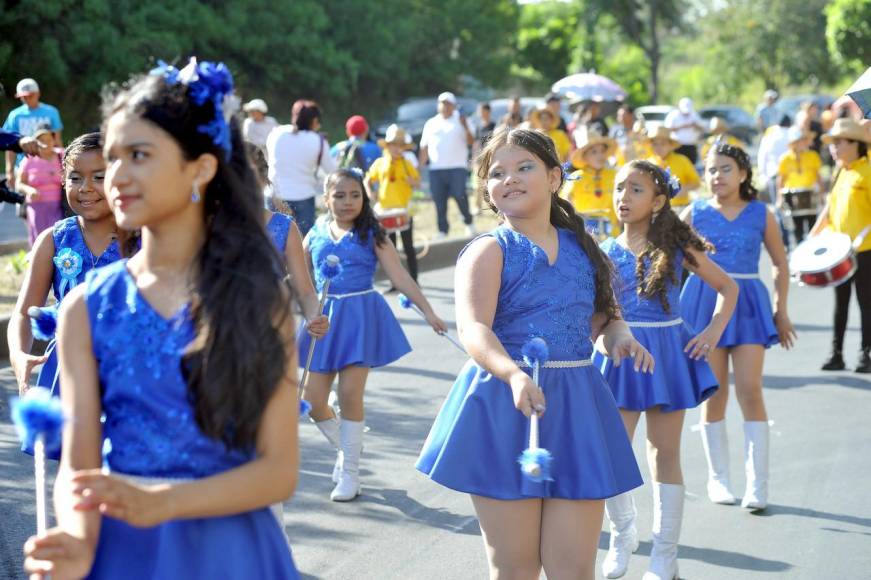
x,y
737,245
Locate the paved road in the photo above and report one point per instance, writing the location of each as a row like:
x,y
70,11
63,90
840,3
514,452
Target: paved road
x,y
404,526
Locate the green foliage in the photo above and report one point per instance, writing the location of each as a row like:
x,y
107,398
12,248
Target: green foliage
x,y
848,32
17,263
547,39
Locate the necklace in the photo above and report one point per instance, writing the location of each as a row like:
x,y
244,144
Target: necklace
x,y
96,259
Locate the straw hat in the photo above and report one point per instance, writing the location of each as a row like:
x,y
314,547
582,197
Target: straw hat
x,y
848,129
718,125
395,135
659,131
535,115
585,138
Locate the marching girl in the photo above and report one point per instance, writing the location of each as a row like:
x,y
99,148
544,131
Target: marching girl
x,y
540,274
364,333
649,257
62,256
186,349
737,224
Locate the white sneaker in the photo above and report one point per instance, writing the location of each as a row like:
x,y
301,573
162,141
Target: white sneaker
x,y
471,231
440,236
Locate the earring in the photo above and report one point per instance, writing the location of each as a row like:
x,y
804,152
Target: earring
x,y
653,216
195,194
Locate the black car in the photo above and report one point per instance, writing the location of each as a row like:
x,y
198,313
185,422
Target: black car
x,y
741,123
413,114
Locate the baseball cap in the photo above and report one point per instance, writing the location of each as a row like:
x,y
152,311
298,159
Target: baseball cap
x,y
448,97
256,105
685,105
770,94
26,87
356,126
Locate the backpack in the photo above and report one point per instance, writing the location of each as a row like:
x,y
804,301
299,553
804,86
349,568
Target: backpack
x,y
351,156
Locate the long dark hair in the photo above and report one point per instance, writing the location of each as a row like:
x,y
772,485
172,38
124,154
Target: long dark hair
x,y
237,358
562,213
365,222
655,268
747,192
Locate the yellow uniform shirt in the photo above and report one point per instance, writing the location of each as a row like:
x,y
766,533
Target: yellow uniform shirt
x,y
563,145
728,139
636,148
799,170
591,192
391,176
850,201
682,168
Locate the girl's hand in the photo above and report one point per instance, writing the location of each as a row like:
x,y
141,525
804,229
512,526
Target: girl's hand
x,y
134,504
57,554
701,345
437,323
527,396
318,326
22,366
625,346
785,331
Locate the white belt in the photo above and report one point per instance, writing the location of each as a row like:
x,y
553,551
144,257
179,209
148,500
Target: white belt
x,y
558,364
660,324
754,276
349,294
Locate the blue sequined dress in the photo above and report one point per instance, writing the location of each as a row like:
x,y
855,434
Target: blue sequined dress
x,y
278,229
151,433
738,246
478,435
363,330
72,260
677,382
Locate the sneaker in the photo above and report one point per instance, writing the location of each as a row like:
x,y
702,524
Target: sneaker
x,y
440,236
471,231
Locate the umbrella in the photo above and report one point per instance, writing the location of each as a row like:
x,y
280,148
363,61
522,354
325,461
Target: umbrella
x,y
861,93
589,87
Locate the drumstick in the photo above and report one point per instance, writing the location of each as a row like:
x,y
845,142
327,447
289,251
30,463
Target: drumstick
x,y
535,461
329,269
406,303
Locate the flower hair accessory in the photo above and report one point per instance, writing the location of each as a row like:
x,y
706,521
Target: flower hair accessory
x,y
207,81
672,182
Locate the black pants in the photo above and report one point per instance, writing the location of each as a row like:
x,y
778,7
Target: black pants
x,y
803,225
408,247
862,280
690,151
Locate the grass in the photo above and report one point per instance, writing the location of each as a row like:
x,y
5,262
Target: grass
x,y
12,267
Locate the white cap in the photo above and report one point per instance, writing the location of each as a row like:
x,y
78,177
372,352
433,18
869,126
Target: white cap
x,y
795,133
256,105
771,94
26,87
685,105
448,97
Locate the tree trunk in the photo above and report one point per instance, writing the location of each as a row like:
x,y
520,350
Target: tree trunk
x,y
654,52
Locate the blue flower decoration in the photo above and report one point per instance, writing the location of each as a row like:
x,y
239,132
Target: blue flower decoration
x,y
672,182
69,263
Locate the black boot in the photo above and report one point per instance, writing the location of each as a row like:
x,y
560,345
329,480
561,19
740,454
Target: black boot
x,y
835,361
864,364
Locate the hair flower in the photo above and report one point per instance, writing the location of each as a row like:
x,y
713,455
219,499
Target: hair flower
x,y
672,182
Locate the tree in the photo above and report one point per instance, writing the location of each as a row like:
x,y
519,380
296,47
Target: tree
x,y
547,40
848,32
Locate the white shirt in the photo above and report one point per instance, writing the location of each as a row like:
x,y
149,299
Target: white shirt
x,y
256,132
293,162
689,135
445,142
772,146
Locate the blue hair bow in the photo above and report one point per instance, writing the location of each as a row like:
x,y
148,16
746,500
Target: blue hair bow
x,y
672,182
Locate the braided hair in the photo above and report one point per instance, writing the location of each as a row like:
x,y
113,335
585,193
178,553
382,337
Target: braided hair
x,y
747,192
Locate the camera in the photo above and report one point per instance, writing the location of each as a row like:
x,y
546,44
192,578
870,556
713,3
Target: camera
x,y
9,196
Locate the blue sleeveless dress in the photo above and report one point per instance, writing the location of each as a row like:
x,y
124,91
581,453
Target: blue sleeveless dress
x,y
72,260
478,435
278,229
738,245
151,433
677,382
363,330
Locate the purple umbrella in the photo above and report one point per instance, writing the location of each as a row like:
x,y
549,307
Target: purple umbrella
x,y
588,87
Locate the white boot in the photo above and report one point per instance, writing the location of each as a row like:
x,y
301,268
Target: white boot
x,y
667,516
756,465
330,430
716,446
624,537
348,486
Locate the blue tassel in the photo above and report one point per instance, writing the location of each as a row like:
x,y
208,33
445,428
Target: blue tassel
x,y
535,350
43,322
304,408
535,465
37,412
330,268
405,301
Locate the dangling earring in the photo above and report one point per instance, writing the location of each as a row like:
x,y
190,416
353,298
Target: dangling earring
x,y
653,216
195,194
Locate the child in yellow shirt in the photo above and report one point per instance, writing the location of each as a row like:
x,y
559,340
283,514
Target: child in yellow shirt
x,y
798,174
390,182
665,157
590,187
543,119
719,129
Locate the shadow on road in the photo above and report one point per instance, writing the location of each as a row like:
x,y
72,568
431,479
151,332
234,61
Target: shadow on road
x,y
414,510
774,510
840,379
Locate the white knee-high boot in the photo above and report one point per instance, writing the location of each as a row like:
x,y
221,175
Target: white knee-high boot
x,y
621,513
716,446
756,437
330,429
667,515
348,486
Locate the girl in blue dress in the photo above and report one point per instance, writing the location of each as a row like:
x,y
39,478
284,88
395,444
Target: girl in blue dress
x,y
364,333
62,256
650,256
540,274
186,349
737,225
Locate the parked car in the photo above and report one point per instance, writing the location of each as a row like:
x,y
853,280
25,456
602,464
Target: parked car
x,y
792,104
653,113
413,114
741,123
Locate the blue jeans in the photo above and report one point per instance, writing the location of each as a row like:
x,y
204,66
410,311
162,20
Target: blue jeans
x,y
303,212
447,183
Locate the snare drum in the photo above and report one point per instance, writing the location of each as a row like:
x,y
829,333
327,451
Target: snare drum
x,y
801,202
394,220
597,224
824,261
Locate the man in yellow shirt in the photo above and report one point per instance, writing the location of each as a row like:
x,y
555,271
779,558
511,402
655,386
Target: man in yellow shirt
x,y
390,182
591,187
798,174
665,157
543,119
848,211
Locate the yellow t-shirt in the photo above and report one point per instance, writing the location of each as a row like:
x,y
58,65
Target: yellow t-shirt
x,y
682,168
729,139
561,140
391,175
799,171
636,148
850,201
593,194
